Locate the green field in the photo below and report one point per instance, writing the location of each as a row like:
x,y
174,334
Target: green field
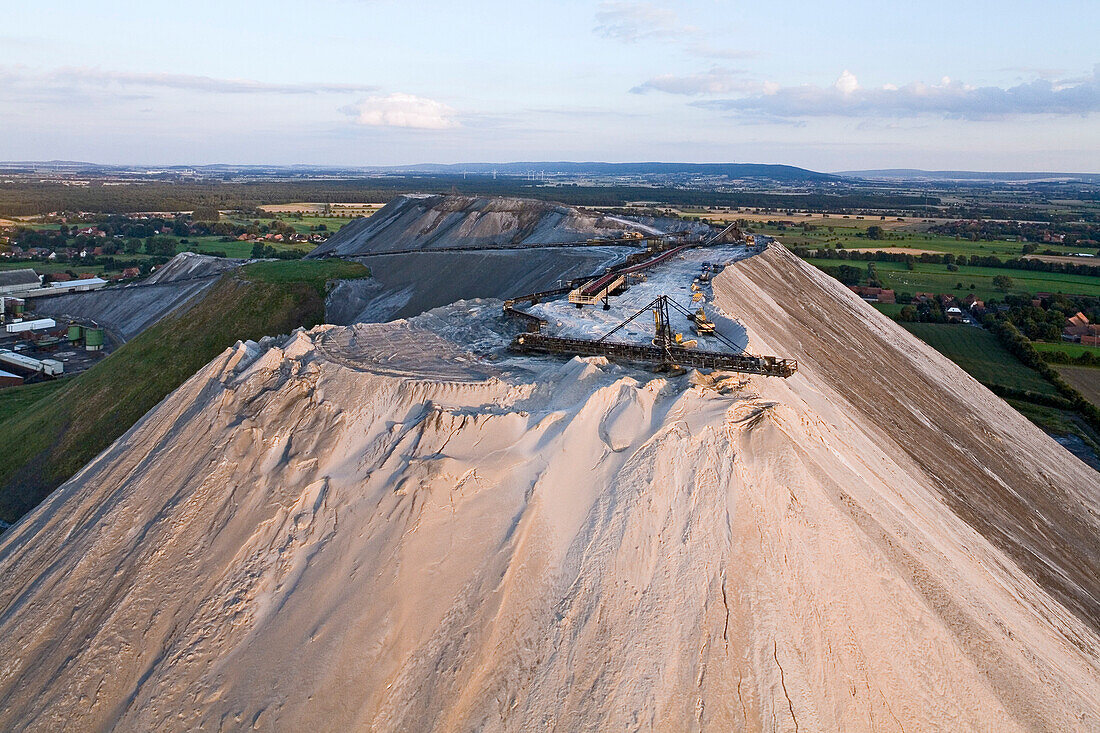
x,y
316,273
236,249
932,278
305,225
42,267
981,355
47,439
889,310
1074,350
202,245
18,399
852,235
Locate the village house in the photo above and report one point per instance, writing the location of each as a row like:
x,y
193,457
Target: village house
x,y
875,295
1079,330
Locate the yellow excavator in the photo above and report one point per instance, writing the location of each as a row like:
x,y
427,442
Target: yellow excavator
x,y
702,325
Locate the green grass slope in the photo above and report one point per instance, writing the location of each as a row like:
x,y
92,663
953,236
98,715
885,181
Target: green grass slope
x,y
981,355
44,441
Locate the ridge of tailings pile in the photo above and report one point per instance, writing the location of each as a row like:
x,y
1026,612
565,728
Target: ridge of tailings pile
x,y
191,265
405,285
130,309
428,251
331,533
424,222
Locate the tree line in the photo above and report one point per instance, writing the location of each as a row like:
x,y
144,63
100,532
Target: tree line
x,y
26,198
1021,347
1015,263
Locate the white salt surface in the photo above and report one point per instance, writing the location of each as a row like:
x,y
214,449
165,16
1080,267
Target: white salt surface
x,y
673,278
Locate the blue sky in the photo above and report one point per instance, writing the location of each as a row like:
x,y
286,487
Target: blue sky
x,y
1011,85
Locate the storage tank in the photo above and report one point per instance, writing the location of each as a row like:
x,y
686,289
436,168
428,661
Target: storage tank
x,y
76,332
13,308
93,339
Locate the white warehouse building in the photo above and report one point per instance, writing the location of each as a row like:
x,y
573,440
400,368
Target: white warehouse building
x,y
18,281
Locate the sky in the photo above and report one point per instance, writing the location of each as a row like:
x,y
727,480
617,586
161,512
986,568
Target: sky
x,y
828,85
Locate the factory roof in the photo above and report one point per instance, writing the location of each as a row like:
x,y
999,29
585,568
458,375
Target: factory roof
x,y
19,277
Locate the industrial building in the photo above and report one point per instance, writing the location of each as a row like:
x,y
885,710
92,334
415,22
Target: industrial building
x,y
36,324
7,379
19,281
45,367
59,288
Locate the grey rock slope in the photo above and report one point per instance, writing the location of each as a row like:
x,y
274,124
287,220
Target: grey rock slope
x,y
127,311
405,285
422,222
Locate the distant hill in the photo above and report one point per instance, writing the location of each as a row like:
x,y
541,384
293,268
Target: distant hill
x,y
787,173
914,174
783,173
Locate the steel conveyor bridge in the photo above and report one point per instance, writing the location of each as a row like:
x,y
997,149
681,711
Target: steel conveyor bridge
x,y
665,350
771,366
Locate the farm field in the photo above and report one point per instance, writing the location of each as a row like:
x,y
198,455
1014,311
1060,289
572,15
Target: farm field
x,y
852,234
1064,259
981,355
201,244
1085,380
42,266
1074,350
300,224
314,208
233,248
934,278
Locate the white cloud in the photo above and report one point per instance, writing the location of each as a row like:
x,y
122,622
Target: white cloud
x,y
635,21
847,84
947,98
403,110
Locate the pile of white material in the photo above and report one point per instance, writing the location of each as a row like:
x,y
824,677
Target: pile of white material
x,y
421,222
293,540
191,265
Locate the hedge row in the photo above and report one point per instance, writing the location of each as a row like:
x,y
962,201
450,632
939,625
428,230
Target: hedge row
x,y
1021,348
